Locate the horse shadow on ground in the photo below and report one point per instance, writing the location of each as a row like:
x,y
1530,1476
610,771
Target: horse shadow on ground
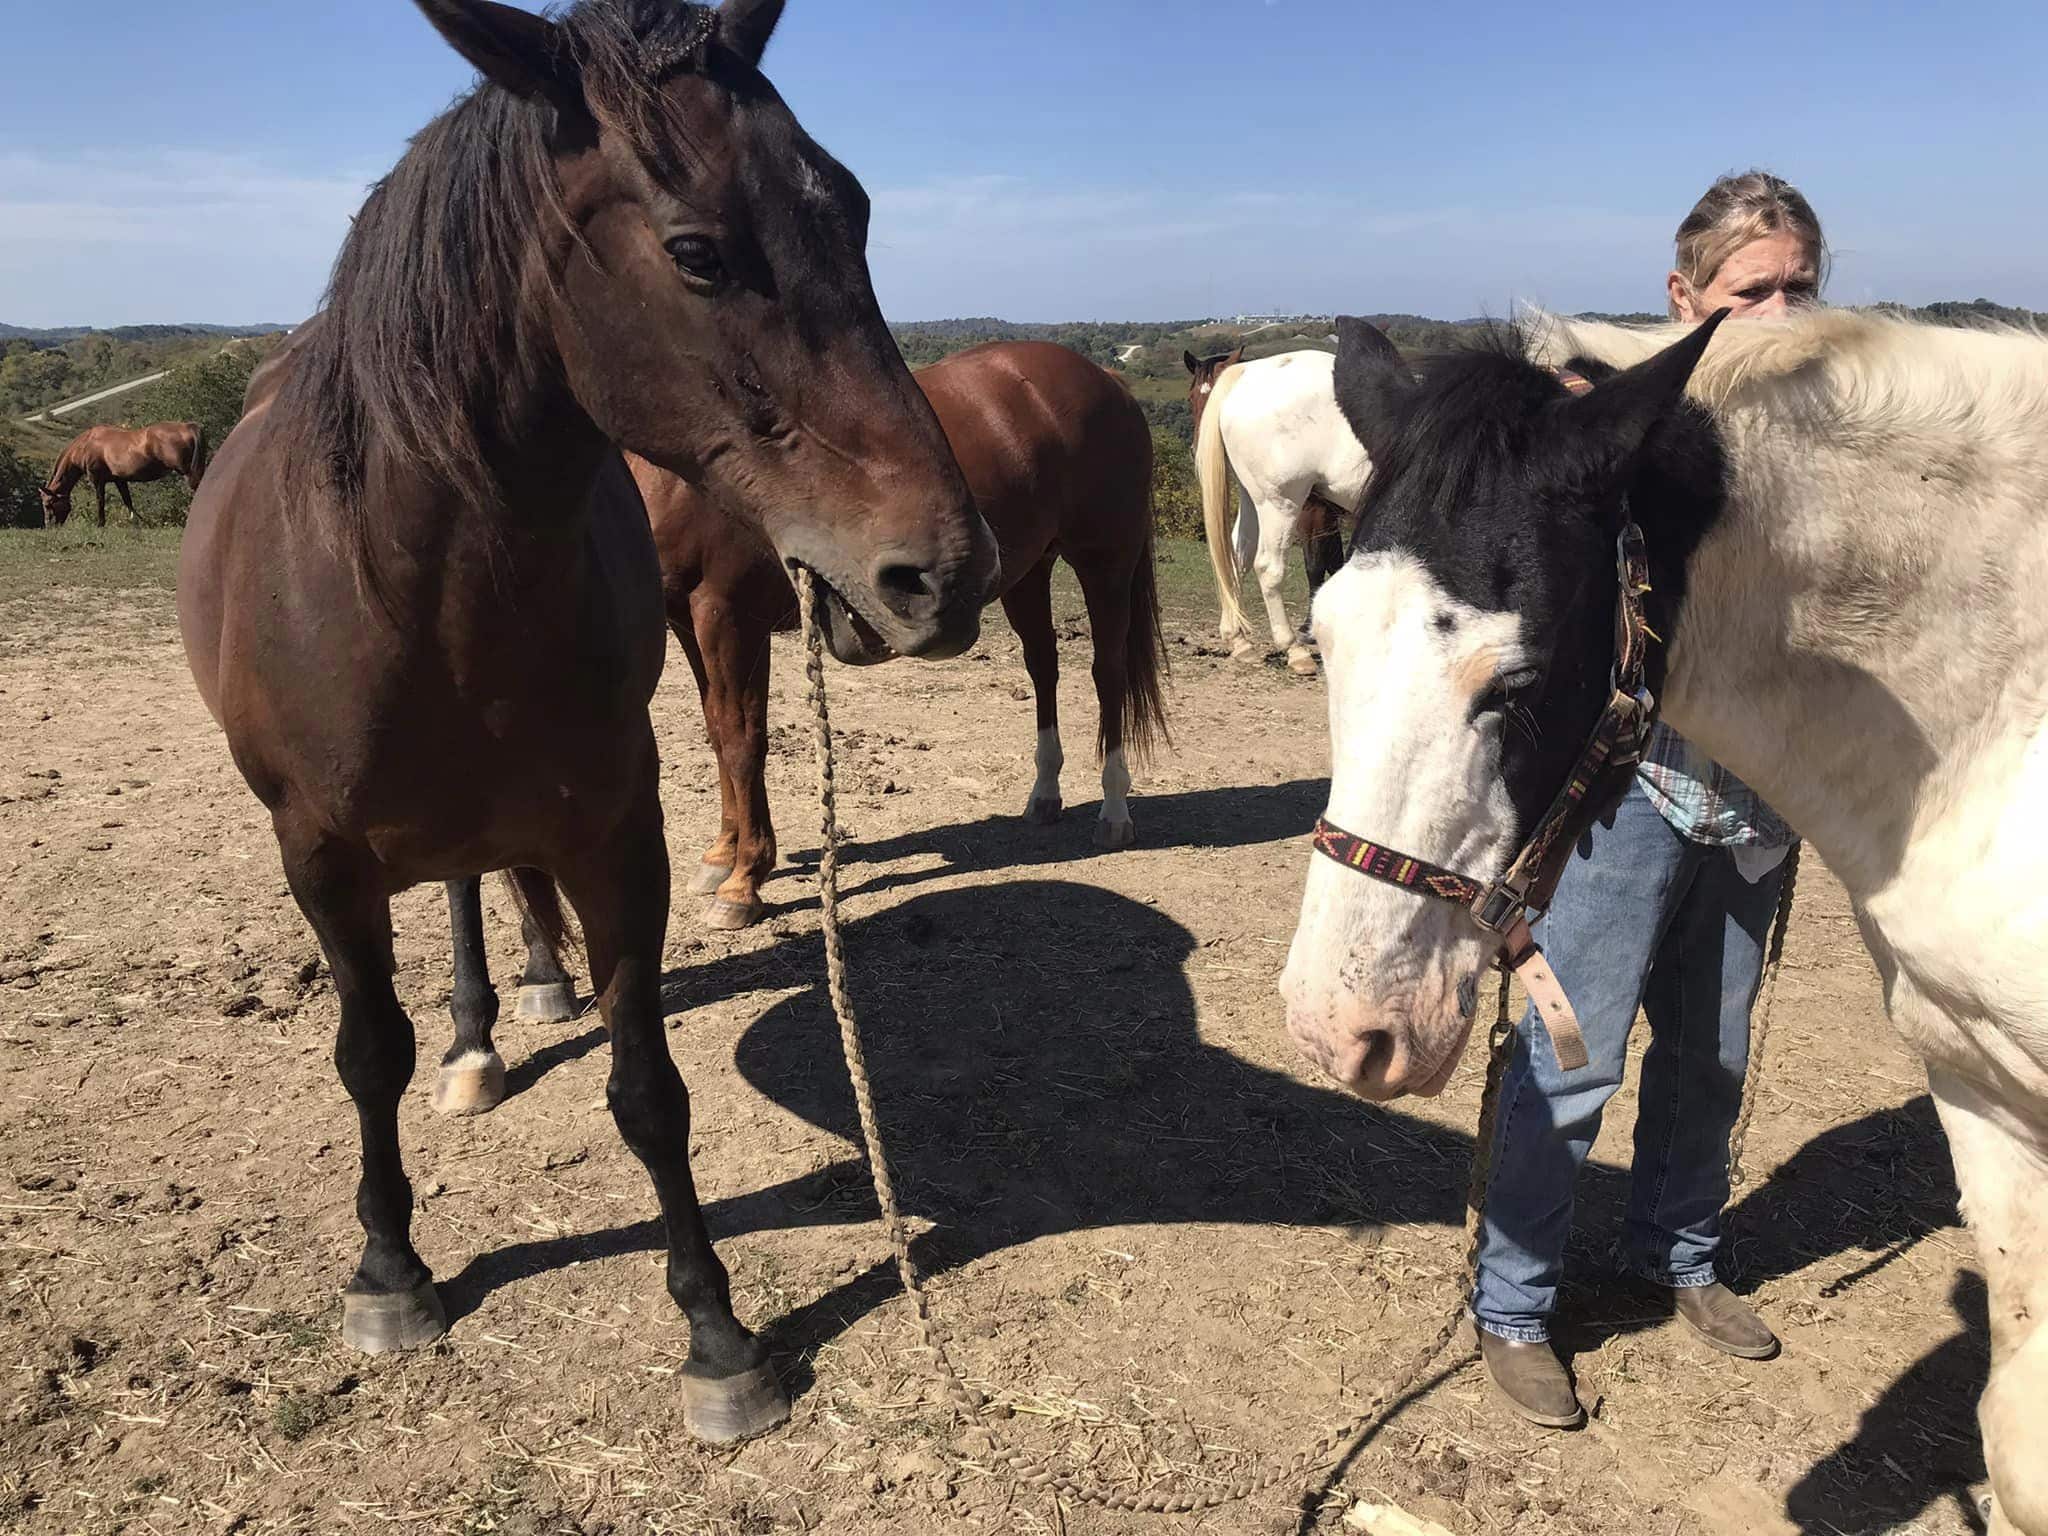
x,y
1191,820
1039,1071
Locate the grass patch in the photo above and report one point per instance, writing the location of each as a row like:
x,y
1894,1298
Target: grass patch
x,y
38,561
298,1415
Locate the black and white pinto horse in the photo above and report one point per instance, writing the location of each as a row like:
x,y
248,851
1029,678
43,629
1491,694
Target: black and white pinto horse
x,y
1844,516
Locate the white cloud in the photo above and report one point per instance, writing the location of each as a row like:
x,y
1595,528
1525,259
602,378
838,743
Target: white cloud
x,y
91,237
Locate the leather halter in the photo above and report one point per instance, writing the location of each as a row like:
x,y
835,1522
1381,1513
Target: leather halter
x,y
1599,779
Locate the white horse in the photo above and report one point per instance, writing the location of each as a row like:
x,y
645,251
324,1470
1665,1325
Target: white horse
x,y
1849,552
1276,423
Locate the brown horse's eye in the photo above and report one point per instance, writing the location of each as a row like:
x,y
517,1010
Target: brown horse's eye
x,y
697,257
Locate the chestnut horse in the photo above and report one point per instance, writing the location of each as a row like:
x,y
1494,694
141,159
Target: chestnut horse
x,y
418,590
1059,458
121,457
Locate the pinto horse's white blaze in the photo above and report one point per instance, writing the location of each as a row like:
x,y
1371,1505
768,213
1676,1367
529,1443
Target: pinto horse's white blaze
x,y
1380,981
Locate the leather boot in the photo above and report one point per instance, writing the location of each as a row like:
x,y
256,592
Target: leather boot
x,y
1533,1380
1725,1321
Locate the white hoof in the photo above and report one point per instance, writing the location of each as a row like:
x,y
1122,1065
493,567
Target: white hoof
x,y
473,1084
552,1002
1242,649
708,878
1300,661
725,916
1113,835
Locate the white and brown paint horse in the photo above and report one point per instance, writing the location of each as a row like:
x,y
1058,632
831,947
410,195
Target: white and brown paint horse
x,y
121,457
1843,515
1275,423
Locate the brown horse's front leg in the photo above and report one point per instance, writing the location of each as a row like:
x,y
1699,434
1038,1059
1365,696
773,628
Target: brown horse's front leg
x,y
99,486
733,675
620,891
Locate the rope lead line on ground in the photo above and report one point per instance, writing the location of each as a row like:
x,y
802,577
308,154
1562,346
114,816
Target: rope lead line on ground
x,y
1026,1467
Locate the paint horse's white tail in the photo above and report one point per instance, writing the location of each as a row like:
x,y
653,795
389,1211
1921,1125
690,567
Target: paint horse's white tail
x,y
1212,468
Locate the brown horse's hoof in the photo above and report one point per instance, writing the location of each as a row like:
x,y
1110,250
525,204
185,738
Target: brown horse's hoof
x,y
1043,812
728,1409
388,1325
726,916
709,877
1112,835
1301,662
550,1002
472,1084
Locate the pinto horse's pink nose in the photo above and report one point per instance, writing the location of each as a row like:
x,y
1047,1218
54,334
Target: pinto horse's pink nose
x,y
1374,1062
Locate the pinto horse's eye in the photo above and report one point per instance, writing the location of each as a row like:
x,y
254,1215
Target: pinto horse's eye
x,y
1499,694
697,257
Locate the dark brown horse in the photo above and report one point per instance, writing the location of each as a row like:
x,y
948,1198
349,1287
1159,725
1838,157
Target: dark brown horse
x,y
418,590
121,457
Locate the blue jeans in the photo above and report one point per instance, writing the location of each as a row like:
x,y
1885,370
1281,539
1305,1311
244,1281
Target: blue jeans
x,y
1643,918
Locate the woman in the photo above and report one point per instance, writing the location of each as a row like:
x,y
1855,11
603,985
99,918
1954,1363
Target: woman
x,y
1668,910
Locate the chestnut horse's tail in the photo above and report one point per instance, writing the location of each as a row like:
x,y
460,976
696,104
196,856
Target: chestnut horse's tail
x,y
197,471
1145,662
540,902
1212,468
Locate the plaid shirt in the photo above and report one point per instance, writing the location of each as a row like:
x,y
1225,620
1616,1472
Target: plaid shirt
x,y
1703,800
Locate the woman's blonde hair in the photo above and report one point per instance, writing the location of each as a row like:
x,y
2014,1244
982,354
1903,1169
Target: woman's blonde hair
x,y
1737,210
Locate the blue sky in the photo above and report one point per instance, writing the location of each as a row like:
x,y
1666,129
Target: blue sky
x,y
1122,159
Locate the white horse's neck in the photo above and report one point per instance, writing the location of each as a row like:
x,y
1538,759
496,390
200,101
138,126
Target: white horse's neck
x,y
1861,638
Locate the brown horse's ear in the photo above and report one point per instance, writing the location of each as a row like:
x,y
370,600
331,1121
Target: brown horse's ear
x,y
513,49
746,25
1235,358
1194,363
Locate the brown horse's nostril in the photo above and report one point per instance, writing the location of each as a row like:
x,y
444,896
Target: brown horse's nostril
x,y
911,592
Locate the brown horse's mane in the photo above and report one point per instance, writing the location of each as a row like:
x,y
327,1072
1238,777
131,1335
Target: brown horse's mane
x,y
431,329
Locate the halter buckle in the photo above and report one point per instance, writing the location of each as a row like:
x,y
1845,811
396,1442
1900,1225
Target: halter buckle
x,y
1504,904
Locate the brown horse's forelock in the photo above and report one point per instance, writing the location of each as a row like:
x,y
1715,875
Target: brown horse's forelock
x,y
433,327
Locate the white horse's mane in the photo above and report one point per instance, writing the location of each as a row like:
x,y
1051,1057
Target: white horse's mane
x,y
1878,372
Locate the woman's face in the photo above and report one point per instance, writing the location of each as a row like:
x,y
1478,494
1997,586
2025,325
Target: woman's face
x,y
1768,276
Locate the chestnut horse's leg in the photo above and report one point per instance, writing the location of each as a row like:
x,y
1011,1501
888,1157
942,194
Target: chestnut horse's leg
x,y
1322,552
99,485
134,518
390,1304
472,1076
730,653
619,889
1107,587
547,993
716,866
1028,606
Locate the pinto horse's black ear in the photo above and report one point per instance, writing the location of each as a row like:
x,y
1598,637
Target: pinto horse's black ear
x,y
511,48
746,25
1620,412
1194,363
1371,379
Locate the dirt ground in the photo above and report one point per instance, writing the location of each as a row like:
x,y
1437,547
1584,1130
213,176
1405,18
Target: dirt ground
x,y
1163,1249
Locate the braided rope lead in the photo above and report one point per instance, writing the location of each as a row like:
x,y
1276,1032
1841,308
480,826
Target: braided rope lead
x,y
1027,1468
1760,1022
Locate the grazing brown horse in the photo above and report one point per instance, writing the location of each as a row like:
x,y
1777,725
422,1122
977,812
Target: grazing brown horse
x,y
121,457
418,590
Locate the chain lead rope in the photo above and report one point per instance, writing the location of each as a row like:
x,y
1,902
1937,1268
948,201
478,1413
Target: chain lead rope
x,y
1026,1467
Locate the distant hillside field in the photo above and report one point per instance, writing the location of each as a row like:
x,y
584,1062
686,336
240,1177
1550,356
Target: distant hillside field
x,y
209,367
